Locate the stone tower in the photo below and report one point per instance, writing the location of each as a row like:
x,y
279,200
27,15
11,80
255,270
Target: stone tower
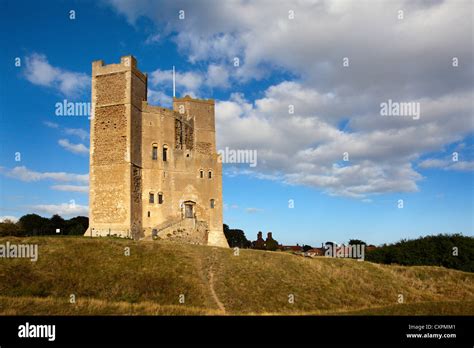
x,y
154,172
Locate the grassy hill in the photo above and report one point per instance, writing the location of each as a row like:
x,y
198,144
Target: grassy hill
x,y
214,281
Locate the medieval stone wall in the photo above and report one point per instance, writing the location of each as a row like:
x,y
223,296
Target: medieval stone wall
x,y
132,193
110,138
110,89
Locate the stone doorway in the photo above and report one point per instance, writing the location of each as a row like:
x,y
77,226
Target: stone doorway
x,y
188,210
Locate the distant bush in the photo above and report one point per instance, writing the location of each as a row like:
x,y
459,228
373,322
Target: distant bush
x,y
451,251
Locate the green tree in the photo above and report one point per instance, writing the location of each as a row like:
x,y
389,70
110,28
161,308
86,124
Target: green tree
x,y
235,237
35,225
271,244
9,228
356,241
77,225
32,224
451,251
55,222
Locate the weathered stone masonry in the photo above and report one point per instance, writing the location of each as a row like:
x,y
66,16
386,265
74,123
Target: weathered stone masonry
x,y
154,172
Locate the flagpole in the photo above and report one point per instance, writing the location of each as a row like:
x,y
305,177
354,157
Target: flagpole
x,y
174,83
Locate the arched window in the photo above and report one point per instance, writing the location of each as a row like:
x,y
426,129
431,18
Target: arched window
x,y
154,152
201,173
212,203
160,198
151,198
209,175
165,153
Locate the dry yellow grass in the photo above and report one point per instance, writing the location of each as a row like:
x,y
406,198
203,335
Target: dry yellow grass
x,y
214,281
53,306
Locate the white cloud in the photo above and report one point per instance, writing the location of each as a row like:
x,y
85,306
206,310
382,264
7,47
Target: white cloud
x,y
71,188
337,108
39,72
462,166
187,80
223,47
78,132
51,124
252,210
24,174
217,76
381,48
159,97
65,209
13,219
74,148
307,147
152,39
433,163
232,206
187,83
447,164
360,180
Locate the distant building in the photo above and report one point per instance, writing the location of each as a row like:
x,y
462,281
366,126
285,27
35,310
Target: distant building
x,y
259,243
315,252
296,247
265,244
370,247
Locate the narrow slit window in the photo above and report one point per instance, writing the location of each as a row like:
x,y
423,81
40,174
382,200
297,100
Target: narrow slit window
x,y
165,153
209,175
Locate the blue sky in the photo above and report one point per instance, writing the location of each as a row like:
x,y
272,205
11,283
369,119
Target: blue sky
x,y
337,108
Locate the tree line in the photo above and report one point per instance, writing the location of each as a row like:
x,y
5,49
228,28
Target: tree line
x,y
35,225
450,251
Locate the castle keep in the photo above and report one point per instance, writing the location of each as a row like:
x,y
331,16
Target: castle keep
x,y
154,172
